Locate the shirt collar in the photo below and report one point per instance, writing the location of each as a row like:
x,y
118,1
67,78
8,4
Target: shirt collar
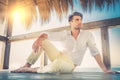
x,y
69,32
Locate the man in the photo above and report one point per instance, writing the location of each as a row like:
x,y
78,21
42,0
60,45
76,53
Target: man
x,y
75,43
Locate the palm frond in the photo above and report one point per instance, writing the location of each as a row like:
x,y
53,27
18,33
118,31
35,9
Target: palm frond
x,y
46,6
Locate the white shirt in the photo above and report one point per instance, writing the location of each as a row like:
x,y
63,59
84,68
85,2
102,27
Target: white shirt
x,y
75,48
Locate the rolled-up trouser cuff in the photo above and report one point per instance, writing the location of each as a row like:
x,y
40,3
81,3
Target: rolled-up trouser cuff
x,y
33,57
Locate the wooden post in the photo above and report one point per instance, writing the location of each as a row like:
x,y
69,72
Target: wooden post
x,y
43,60
2,55
105,47
8,34
7,46
4,39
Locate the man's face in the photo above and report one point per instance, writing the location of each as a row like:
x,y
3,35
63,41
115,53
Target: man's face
x,y
76,22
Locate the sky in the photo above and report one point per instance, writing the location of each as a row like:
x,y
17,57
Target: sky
x,y
96,14
19,52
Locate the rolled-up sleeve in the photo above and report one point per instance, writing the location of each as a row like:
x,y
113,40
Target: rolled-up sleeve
x,y
92,45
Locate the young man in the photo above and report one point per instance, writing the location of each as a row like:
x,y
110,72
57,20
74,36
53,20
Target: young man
x,y
75,43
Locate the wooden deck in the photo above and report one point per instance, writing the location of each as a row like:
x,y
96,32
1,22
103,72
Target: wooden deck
x,y
6,75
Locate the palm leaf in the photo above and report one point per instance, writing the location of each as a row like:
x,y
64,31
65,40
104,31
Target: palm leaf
x,y
46,6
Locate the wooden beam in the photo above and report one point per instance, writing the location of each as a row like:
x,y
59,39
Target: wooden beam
x,y
90,25
102,23
116,26
43,60
105,47
3,38
8,34
7,46
34,34
2,55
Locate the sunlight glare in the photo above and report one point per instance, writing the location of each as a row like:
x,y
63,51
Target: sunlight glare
x,y
19,14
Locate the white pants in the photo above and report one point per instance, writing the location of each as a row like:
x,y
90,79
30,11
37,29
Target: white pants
x,y
60,62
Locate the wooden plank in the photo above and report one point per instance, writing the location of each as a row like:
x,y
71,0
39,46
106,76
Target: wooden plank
x,y
102,23
105,47
90,25
2,55
3,38
43,60
8,34
34,34
6,55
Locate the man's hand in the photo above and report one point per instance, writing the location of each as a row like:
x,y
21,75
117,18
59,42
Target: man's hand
x,y
38,43
101,64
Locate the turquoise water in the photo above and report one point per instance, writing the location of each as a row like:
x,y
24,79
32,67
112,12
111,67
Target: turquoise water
x,y
116,69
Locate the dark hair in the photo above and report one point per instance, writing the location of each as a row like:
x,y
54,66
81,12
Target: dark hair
x,y
75,14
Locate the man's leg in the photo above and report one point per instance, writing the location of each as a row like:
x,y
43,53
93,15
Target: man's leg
x,y
55,56
60,65
48,47
51,51
32,58
60,62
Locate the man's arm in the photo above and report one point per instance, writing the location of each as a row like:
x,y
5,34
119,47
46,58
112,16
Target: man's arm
x,y
101,64
94,52
53,36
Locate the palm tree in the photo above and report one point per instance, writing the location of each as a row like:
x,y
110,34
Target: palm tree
x,y
46,6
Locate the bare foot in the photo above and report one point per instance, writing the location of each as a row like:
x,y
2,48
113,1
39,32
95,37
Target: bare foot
x,y
25,70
